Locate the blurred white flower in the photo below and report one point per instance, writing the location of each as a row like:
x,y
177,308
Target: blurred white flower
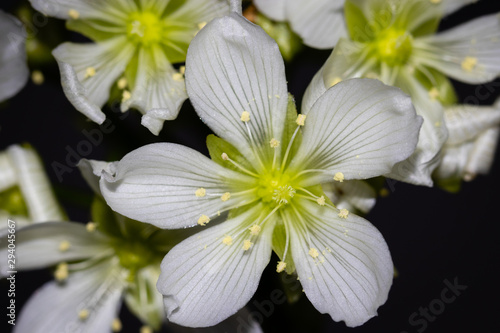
x,y
136,45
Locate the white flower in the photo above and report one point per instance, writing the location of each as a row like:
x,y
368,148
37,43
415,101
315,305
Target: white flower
x,y
13,68
321,23
25,191
136,43
471,145
354,195
265,170
395,41
99,265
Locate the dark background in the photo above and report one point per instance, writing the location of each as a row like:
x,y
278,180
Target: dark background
x,y
433,235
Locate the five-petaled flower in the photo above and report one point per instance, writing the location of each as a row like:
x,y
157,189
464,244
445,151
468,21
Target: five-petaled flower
x,y
136,43
267,167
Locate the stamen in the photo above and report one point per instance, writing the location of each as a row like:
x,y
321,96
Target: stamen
x,y
469,64
201,192
126,95
64,246
226,158
225,197
339,177
37,77
146,329
90,227
245,116
313,252
301,118
74,14
228,240
116,325
247,244
203,220
122,83
290,144
90,72
83,314
274,143
321,201
61,272
255,229
177,76
281,266
343,213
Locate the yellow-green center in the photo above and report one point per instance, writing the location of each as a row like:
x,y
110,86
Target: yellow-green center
x,y
145,28
393,47
275,188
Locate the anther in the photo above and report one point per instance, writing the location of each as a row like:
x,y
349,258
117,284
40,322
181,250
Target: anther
x,y
74,14
64,246
90,227
225,197
245,116
228,240
274,143
469,64
301,118
90,72
281,266
61,272
247,244
203,220
122,83
83,314
255,229
201,192
339,177
321,201
313,252
343,213
116,325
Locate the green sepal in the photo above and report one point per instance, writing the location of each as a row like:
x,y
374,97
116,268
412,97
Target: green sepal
x,y
291,286
87,28
12,201
290,128
279,244
356,22
288,42
431,78
452,185
217,146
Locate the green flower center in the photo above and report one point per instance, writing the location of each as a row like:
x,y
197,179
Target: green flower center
x,y
133,255
12,201
145,28
275,188
393,47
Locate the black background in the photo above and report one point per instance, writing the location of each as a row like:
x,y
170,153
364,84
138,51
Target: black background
x,y
433,235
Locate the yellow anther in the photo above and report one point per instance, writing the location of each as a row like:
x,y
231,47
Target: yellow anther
x,y
281,266
146,329
203,220
247,244
64,246
122,83
434,93
74,14
201,192
225,197
177,76
37,77
274,143
61,272
384,192
224,157
83,314
339,177
301,119
182,69
313,252
321,201
126,95
90,227
228,240
438,124
245,116
435,2
469,64
343,213
255,229
335,81
201,25
90,71
116,325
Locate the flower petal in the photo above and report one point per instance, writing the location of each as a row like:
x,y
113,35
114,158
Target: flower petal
x,y
114,11
89,70
351,195
157,184
212,279
13,68
159,89
39,245
320,23
233,66
34,184
92,170
351,273
274,9
360,128
467,53
482,154
453,161
55,307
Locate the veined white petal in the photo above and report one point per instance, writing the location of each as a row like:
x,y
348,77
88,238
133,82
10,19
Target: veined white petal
x,y
320,23
200,11
159,89
212,277
350,273
467,53
14,71
234,69
56,307
114,11
39,245
360,128
89,70
450,6
418,168
35,185
453,161
274,9
157,184
242,321
466,122
92,170
482,154
351,195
